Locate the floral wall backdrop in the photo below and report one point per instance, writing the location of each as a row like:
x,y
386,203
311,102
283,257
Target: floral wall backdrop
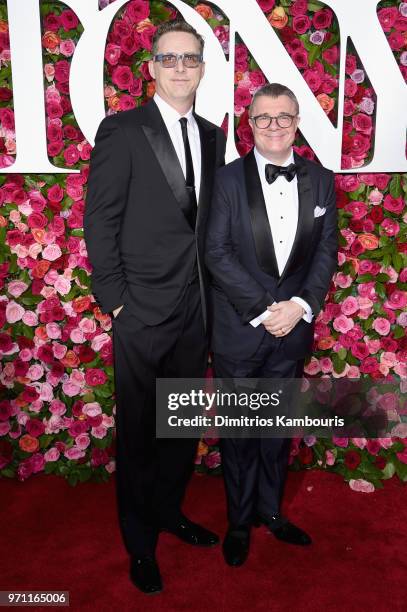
x,y
56,372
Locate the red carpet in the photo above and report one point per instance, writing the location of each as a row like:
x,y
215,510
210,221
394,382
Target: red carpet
x,y
55,537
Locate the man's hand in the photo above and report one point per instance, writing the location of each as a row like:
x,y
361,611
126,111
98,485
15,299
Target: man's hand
x,y
117,310
283,317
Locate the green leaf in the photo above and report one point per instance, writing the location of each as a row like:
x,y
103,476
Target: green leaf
x,y
389,470
339,364
401,470
398,332
314,54
395,186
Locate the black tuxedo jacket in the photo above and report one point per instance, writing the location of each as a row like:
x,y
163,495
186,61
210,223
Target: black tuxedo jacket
x,y
241,258
140,244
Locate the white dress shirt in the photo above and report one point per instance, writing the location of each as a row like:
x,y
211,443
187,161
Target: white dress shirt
x,y
281,198
171,119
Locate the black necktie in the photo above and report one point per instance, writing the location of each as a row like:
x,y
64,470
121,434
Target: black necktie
x,y
273,172
190,176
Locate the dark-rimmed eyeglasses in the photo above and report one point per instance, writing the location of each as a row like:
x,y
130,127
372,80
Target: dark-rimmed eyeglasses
x,y
264,121
170,60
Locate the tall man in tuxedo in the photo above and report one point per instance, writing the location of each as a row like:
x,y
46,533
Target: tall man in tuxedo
x,y
272,250
149,189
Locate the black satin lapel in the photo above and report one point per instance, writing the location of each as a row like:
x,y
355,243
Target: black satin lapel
x,y
166,155
263,239
208,158
305,224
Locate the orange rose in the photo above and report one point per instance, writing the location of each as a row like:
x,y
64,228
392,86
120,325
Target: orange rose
x,y
50,40
3,26
99,316
28,443
204,11
278,18
71,360
41,333
238,76
326,102
81,304
114,102
39,235
3,221
41,268
326,343
143,25
150,89
369,241
202,449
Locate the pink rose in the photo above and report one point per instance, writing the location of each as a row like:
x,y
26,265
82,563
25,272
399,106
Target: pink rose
x,y
57,407
350,64
375,197
382,180
397,300
361,486
82,441
52,454
16,288
71,155
51,252
74,453
299,7
349,306
92,409
313,79
14,312
99,432
7,118
326,365
67,47
395,205
387,17
362,123
341,442
241,57
95,376
112,54
390,227
266,5
77,336
312,367
300,58
62,71
242,96
343,324
126,102
350,88
329,457
357,209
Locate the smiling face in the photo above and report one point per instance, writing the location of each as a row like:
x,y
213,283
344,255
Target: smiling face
x,y
177,86
274,143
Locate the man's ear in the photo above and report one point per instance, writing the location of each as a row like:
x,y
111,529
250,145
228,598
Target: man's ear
x,y
151,68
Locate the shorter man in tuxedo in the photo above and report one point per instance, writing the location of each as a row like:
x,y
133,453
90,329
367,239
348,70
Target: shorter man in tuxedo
x,y
272,250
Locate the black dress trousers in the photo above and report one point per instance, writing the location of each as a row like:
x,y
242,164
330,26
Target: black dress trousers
x,y
255,470
152,474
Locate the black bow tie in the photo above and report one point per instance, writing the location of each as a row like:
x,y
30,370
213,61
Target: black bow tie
x,y
273,172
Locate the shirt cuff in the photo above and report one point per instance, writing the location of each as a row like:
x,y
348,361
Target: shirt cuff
x,y
256,322
308,316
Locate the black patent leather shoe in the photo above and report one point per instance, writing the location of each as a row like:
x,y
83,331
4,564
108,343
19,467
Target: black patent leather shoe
x,y
145,574
283,530
191,533
236,546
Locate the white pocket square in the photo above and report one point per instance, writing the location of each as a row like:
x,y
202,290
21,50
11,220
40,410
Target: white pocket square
x,y
318,212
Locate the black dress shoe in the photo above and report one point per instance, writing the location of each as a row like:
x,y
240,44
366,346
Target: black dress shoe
x,y
283,530
236,546
145,574
191,533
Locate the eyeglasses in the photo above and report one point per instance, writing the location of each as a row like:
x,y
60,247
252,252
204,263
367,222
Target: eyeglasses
x,y
264,121
170,60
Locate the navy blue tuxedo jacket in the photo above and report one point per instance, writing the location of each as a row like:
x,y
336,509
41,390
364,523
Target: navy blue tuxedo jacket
x,y
241,258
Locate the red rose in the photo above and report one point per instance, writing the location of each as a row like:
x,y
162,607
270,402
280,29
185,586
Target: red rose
x,y
137,10
373,446
6,453
55,193
52,22
376,214
71,155
242,97
94,377
266,5
300,58
350,64
54,110
99,456
62,71
362,123
380,462
145,72
394,205
387,17
35,427
37,220
130,44
146,37
5,410
322,19
7,118
313,79
69,20
301,24
30,394
352,459
305,455
350,88
122,77
369,366
5,94
331,55
241,57
381,181
86,354
45,354
299,7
